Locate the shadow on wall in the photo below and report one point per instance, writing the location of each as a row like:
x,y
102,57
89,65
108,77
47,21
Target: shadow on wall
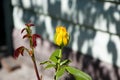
x,y
92,15
94,67
83,19
112,50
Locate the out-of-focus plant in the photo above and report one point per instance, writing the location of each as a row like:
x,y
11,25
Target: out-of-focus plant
x,y
61,38
32,41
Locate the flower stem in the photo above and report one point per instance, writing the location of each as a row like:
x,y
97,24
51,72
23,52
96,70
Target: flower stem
x,y
58,64
35,67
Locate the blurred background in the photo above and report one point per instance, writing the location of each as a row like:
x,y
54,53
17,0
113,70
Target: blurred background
x,y
94,27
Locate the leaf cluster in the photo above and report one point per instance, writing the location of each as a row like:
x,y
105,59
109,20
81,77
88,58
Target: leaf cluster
x,y
62,66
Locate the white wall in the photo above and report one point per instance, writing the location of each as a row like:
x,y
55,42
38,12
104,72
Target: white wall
x,y
93,26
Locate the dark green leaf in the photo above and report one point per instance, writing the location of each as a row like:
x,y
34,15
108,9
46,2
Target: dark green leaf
x,y
55,55
79,75
45,62
60,72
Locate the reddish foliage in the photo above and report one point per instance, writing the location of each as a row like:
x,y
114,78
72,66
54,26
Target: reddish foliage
x,y
34,37
29,24
19,51
23,30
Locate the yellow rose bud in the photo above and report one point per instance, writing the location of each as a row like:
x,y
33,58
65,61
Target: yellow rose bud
x,y
61,37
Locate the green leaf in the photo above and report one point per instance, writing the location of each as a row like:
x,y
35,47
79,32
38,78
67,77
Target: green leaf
x,y
65,62
50,66
45,62
60,72
79,75
56,55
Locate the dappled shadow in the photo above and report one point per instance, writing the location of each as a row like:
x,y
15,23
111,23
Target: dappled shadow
x,y
97,69
112,50
84,20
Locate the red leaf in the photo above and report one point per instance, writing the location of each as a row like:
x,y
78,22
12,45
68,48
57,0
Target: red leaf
x,y
26,36
29,24
19,51
23,30
34,37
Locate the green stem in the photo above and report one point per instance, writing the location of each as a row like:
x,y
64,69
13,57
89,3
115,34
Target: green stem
x,y
58,64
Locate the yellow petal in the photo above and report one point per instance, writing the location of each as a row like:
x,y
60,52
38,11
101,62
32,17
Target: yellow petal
x,y
65,41
59,39
61,36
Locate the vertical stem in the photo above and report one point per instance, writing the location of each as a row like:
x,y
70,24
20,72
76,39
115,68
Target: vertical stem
x,y
58,63
29,32
35,67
